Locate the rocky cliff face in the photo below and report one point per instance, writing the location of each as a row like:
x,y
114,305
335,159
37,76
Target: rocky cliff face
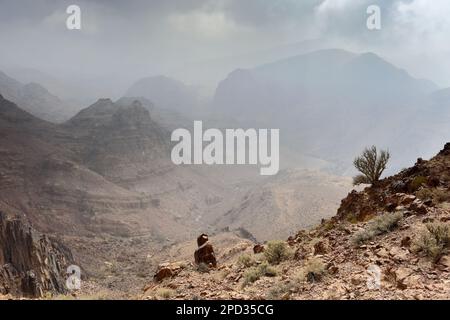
x,y
31,264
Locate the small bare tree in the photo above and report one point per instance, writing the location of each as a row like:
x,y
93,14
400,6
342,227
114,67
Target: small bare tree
x,y
371,164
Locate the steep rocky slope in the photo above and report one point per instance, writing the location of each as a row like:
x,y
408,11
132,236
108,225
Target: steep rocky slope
x,y
389,241
31,264
44,181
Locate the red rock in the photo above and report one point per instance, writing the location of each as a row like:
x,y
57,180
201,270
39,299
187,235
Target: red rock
x,y
163,273
205,252
320,248
258,249
167,270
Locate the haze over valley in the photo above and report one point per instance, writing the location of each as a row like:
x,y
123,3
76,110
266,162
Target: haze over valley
x,y
86,120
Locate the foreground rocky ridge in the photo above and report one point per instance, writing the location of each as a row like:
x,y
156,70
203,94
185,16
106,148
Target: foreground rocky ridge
x,y
373,248
31,264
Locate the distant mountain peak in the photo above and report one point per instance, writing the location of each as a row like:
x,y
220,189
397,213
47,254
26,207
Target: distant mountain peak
x,y
165,93
35,99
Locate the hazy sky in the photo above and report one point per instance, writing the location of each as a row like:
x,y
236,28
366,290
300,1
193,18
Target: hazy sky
x,y
129,39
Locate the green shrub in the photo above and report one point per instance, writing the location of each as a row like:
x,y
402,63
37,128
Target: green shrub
x,y
434,240
254,274
246,261
425,194
280,291
267,270
313,270
164,293
416,183
371,165
437,195
277,251
379,225
441,195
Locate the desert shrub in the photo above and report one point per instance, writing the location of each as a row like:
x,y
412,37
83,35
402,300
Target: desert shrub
x,y
441,195
267,270
246,261
254,274
277,251
371,165
164,293
222,274
437,195
416,183
434,240
202,267
379,225
328,225
251,276
425,194
440,231
362,236
313,270
280,291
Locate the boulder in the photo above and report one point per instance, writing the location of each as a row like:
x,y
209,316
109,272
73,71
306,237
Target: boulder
x,y
205,252
259,248
407,199
320,248
406,242
418,207
167,270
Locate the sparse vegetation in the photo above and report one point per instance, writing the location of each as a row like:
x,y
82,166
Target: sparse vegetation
x,y
434,240
379,225
277,251
313,270
371,165
267,270
202,268
416,183
435,194
255,273
281,291
246,261
165,293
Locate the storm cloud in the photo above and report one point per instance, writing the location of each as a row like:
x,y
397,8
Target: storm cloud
x,y
125,40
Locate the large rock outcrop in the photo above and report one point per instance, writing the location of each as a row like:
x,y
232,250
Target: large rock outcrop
x,y
31,264
205,252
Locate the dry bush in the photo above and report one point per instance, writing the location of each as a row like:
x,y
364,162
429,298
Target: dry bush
x,y
379,225
434,240
254,274
416,183
436,194
165,293
313,270
281,291
277,251
246,261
